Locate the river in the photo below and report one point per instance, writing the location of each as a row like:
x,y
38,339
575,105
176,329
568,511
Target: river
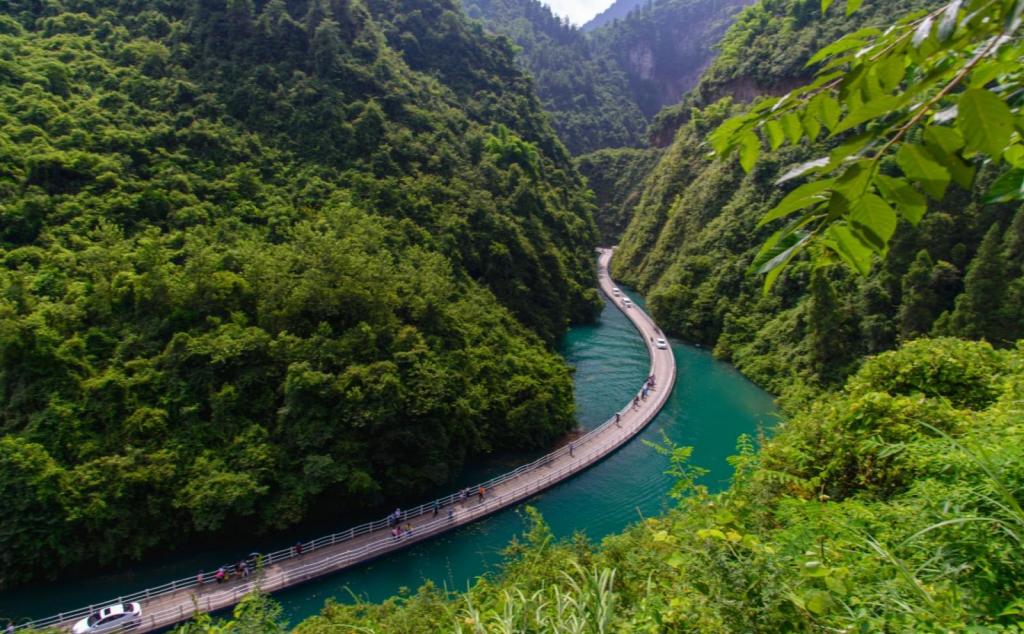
x,y
711,405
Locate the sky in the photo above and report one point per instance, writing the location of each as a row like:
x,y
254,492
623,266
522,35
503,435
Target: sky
x,y
578,11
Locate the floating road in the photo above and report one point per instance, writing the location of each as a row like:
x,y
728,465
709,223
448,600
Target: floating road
x,y
179,600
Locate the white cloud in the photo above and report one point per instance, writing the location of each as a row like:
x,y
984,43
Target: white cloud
x,y
578,11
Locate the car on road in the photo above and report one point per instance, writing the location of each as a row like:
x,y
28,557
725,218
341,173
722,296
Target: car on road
x,y
113,618
628,303
661,343
615,291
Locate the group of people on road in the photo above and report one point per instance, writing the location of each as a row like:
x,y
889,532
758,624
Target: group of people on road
x,y
240,570
642,396
399,531
464,494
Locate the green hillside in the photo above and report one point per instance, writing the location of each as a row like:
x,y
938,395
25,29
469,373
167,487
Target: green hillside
x,y
260,255
695,233
616,176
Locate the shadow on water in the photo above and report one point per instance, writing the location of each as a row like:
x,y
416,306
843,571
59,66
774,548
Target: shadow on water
x,y
712,404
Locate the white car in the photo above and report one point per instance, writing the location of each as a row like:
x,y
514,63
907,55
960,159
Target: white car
x,y
616,291
661,343
112,618
628,303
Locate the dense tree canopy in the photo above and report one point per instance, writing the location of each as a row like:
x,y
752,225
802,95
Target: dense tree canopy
x,y
616,176
256,256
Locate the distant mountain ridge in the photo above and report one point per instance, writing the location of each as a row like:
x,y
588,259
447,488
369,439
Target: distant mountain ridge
x,y
603,86
618,10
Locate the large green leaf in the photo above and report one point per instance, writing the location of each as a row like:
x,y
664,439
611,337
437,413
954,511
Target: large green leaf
x,y
1007,188
812,125
875,220
781,251
724,135
891,71
920,166
841,240
778,264
910,203
840,46
827,109
800,198
818,601
776,136
872,110
985,121
944,143
792,127
750,150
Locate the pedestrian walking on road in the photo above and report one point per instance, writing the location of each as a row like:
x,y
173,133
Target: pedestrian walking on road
x,y
618,419
395,532
220,576
451,514
199,579
298,549
480,493
636,402
572,446
408,529
245,569
437,507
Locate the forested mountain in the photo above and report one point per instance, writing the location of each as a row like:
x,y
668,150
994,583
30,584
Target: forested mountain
x,y
586,93
960,272
616,176
603,87
260,255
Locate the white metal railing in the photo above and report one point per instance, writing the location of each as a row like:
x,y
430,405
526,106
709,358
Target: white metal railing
x,y
340,560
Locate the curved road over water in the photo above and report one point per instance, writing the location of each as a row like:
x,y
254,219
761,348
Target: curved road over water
x,y
179,600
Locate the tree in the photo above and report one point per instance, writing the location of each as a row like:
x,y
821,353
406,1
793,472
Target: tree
x,y
908,111
326,47
917,311
978,309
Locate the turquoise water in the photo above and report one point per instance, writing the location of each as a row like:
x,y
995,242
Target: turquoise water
x,y
711,405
